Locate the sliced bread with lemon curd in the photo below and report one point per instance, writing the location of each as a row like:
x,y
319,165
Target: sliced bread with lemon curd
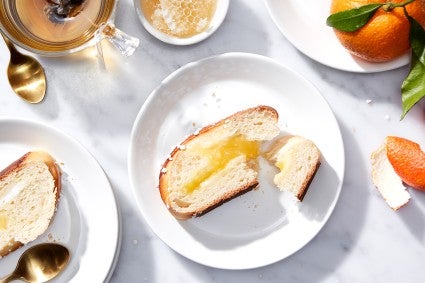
x,y
298,160
386,180
216,163
29,193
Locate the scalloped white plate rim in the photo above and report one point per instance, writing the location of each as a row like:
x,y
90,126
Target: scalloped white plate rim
x,y
303,23
143,163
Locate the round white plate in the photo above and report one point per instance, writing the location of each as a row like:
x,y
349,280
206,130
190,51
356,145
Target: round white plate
x,y
303,23
263,225
87,220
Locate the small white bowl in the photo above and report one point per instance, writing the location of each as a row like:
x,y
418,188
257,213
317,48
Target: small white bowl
x,y
219,15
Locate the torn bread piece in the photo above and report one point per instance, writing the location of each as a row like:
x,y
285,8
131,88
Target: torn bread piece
x,y
217,163
29,194
298,160
386,180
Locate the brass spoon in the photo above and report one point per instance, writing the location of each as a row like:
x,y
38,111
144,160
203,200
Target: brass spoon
x,y
40,263
26,76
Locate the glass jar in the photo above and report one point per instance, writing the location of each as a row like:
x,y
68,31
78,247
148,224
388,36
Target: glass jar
x,y
61,27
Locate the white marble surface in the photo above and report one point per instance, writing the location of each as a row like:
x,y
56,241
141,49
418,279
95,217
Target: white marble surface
x,y
363,241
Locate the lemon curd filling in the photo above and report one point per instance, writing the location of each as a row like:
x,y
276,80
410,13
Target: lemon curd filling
x,y
3,222
280,165
219,155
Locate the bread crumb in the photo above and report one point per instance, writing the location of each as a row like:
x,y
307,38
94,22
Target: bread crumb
x,y
164,170
368,101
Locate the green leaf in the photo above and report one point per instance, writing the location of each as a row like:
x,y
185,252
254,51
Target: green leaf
x,y
352,20
413,87
417,39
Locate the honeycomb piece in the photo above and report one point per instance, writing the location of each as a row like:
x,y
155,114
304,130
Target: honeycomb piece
x,y
183,18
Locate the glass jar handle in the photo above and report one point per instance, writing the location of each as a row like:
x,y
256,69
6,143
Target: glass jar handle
x,y
125,43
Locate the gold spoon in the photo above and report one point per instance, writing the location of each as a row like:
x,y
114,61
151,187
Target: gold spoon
x,y
26,76
40,263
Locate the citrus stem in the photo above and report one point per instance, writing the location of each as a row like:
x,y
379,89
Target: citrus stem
x,y
389,6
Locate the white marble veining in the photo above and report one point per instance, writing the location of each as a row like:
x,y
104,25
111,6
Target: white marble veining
x,y
363,241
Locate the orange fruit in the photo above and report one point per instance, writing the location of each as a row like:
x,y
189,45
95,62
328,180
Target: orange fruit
x,y
385,36
408,161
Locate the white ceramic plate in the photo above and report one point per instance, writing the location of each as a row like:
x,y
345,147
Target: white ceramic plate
x,y
303,23
263,225
87,219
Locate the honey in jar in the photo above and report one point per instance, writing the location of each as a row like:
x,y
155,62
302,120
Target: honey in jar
x,y
179,18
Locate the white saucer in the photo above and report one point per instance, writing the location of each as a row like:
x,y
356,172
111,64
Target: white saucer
x,y
220,14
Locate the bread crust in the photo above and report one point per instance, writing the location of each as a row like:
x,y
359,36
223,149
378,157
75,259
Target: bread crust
x,y
16,166
163,177
13,166
306,185
240,192
271,156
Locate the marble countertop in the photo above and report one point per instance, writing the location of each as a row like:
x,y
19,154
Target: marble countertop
x,y
363,241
